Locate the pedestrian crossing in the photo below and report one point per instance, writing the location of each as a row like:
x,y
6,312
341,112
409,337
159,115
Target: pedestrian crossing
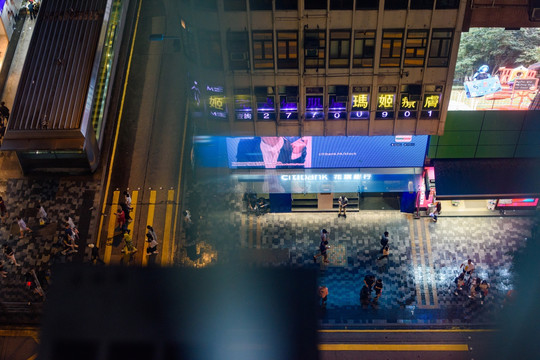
x,y
156,208
422,259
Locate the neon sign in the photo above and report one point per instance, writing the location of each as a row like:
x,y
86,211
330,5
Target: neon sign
x,y
217,104
337,109
385,106
407,107
287,110
242,107
314,107
360,106
266,110
325,177
430,106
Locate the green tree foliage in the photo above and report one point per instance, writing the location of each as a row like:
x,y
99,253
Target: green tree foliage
x,y
496,48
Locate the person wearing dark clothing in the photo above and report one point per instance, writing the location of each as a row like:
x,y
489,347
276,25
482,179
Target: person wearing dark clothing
x,y
378,290
343,202
3,209
126,209
323,294
460,283
263,206
31,11
4,111
152,242
323,246
369,280
384,240
365,296
95,255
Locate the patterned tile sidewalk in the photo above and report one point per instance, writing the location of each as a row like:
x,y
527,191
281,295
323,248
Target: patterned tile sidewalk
x,y
418,276
60,197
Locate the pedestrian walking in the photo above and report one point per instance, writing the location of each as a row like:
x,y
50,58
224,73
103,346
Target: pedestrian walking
x,y
31,11
365,296
378,290
323,294
460,283
369,280
121,221
42,214
4,111
95,254
475,287
385,253
468,267
343,202
484,290
323,247
10,254
126,206
151,239
22,227
72,226
3,209
3,272
69,245
128,245
436,211
384,240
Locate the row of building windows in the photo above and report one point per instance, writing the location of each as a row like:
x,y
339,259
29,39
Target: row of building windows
x,y
414,44
336,104
257,5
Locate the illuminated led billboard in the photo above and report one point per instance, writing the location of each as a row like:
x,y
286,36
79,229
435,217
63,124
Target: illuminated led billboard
x,y
497,69
326,152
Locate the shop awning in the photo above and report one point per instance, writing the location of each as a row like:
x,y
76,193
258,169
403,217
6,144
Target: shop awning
x,y
487,178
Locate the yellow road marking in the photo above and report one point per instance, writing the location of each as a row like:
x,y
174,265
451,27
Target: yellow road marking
x,y
423,263
34,334
117,132
258,232
134,196
33,357
149,221
413,256
431,267
110,229
404,330
166,254
393,347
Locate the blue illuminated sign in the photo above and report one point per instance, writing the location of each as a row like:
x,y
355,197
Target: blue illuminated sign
x,y
337,109
287,111
242,107
266,110
314,107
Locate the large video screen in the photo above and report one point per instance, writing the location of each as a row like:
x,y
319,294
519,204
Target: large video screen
x,y
497,69
326,152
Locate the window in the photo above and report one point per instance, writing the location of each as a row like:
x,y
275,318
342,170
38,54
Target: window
x,y
391,48
396,4
237,44
210,50
341,4
367,4
421,4
340,44
441,43
314,103
315,4
286,4
415,48
364,48
447,4
287,49
260,4
263,50
234,5
314,46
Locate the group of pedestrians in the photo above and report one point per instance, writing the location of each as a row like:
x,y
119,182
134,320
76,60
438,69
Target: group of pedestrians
x,y
467,283
370,284
122,219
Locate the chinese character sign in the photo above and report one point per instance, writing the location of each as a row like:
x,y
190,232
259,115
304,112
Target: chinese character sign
x,y
385,102
216,102
407,104
360,102
431,101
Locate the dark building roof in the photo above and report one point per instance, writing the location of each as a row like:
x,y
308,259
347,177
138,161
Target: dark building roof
x,y
487,178
54,83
